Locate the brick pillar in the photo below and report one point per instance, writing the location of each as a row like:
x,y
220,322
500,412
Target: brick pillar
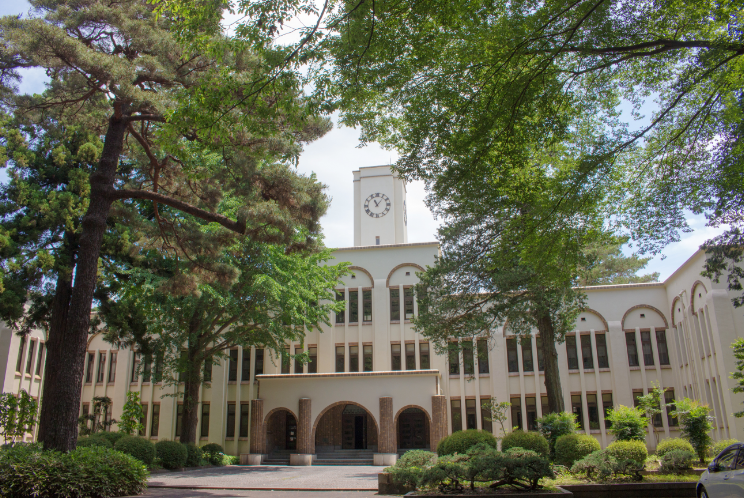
x,y
438,420
258,434
386,439
304,428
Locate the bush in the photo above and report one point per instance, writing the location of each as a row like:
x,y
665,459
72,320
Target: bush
x,y
677,462
518,468
601,465
111,437
694,422
627,423
573,447
672,444
528,440
213,453
194,455
138,447
446,473
172,454
408,469
628,450
27,470
717,448
555,425
462,441
93,441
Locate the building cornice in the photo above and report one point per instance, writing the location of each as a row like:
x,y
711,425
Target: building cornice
x,y
386,246
385,373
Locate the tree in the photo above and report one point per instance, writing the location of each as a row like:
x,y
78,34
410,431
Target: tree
x,y
17,415
197,122
97,420
554,425
497,412
132,413
652,406
606,264
694,419
738,376
627,423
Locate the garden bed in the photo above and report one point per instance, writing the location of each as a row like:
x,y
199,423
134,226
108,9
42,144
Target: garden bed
x,y
633,490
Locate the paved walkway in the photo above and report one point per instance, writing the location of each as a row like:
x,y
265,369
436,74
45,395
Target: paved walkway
x,y
319,478
230,493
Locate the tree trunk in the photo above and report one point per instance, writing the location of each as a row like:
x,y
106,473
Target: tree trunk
x,y
66,348
550,362
192,384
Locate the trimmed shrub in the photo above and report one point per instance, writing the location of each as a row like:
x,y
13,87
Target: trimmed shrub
x,y
408,469
721,445
601,465
516,467
27,470
677,462
573,447
138,447
528,440
628,450
416,458
172,454
555,425
213,453
93,441
111,437
461,441
672,444
194,455
447,473
627,423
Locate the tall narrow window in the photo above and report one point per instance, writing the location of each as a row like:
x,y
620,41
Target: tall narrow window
x,y
19,361
299,366
208,370
454,359
573,360
135,367
648,352
593,412
531,409
486,421
586,352
30,359
340,315
155,423
424,356
340,359
112,368
204,432
353,306
353,358
183,361
312,363
233,366
244,419
545,405
606,406
89,369
40,361
245,370
367,305
527,362
540,364
630,344
394,305
471,414
602,359
377,240
468,361
456,415
158,373
661,346
482,356
408,302
395,352
669,400
143,420
368,358
259,367
100,374
179,419
516,412
578,410
230,428
410,357
512,355
285,360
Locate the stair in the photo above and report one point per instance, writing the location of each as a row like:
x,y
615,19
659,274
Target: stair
x,y
345,457
278,457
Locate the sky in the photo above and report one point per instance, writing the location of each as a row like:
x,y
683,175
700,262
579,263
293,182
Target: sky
x,y
334,157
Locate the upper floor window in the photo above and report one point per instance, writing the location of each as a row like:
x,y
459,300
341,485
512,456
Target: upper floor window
x,y
368,358
312,363
135,367
340,315
630,344
340,367
19,361
410,357
408,302
299,366
528,364
40,362
208,369
540,364
571,354
233,366
602,359
661,346
648,352
353,306
245,371
258,369
112,367
512,355
394,304
353,358
482,356
424,356
586,352
395,355
101,367
285,360
367,306
30,360
89,369
468,361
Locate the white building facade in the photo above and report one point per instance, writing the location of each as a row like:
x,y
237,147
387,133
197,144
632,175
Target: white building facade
x,y
375,387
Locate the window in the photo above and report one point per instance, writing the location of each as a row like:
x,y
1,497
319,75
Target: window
x,y
30,359
258,368
147,369
112,368
340,359
511,354
353,358
486,421
299,366
454,360
456,415
135,367
40,361
368,358
143,420
573,360
408,302
158,375
394,305
19,361
527,363
578,410
340,315
648,352
538,346
471,414
183,361
586,352
395,352
410,357
482,356
285,360
89,369
204,420
531,408
101,372
602,359
727,459
155,423
179,419
661,346
516,412
630,343
232,372
208,370
353,306
367,305
312,364
86,411
591,406
244,419
424,356
606,406
545,405
230,429
669,400
245,370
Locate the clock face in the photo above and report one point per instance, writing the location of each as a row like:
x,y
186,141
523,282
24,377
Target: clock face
x,y
377,205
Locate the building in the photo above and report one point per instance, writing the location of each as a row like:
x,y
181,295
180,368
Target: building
x,y
375,387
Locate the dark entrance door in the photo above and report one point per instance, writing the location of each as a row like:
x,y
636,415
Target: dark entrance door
x,y
291,432
412,429
359,432
353,428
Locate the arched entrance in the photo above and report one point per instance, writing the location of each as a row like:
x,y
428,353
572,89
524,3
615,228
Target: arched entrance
x,y
281,431
412,428
345,426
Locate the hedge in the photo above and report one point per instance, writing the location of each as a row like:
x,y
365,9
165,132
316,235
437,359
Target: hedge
x,y
462,441
528,440
628,450
213,453
673,444
138,447
721,445
111,437
93,441
194,455
573,447
172,454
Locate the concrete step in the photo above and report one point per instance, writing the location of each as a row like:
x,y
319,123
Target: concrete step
x,y
343,462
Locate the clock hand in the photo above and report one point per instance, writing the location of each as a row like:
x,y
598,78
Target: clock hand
x,y
377,203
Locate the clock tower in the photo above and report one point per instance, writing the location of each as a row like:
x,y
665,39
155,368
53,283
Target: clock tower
x,y
380,216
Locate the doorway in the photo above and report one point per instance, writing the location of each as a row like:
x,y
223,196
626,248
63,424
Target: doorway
x,y
412,429
291,432
353,428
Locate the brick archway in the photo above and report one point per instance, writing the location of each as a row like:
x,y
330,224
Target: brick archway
x,y
428,419
334,405
267,424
